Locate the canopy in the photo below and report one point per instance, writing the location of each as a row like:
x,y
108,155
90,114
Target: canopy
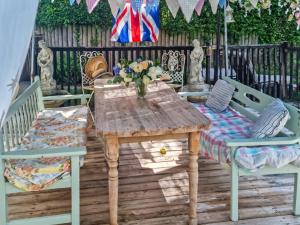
x,y
17,20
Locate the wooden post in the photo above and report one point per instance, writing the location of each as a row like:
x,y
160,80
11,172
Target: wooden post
x,y
234,204
3,197
112,156
297,194
75,190
194,146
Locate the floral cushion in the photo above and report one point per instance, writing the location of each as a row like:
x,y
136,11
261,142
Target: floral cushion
x,y
53,128
230,124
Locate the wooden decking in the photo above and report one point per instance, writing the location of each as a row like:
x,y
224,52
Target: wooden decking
x,y
154,191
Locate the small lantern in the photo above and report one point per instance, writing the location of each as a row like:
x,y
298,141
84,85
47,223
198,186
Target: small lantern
x,y
229,14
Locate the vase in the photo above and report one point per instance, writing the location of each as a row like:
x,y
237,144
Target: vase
x,y
141,90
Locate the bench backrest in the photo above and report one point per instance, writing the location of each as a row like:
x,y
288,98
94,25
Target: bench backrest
x,y
22,112
245,96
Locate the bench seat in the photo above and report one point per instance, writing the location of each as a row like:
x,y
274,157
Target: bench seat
x,y
231,124
53,128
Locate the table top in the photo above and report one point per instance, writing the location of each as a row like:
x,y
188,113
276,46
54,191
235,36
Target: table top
x,y
118,112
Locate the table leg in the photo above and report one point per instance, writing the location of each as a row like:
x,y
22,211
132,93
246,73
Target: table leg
x,y
194,146
112,156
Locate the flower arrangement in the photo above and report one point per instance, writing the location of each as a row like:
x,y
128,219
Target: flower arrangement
x,y
141,72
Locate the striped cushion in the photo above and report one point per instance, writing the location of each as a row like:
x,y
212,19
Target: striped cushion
x,y
220,96
271,121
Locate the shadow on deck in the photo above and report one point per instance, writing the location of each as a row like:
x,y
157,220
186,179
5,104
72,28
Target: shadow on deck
x,y
154,190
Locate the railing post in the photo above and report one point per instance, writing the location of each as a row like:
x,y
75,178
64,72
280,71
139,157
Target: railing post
x,y
283,68
208,60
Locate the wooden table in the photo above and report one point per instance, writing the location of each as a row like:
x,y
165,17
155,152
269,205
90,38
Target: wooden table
x,y
120,117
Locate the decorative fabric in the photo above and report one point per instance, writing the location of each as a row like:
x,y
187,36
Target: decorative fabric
x,y
139,27
271,121
187,7
173,6
220,96
91,5
13,48
230,124
199,7
214,5
78,2
62,127
72,2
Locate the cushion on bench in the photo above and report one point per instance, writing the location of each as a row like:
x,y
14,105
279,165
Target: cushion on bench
x,y
61,127
231,124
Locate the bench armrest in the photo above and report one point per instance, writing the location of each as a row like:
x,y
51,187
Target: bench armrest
x,y
251,142
66,97
44,153
193,94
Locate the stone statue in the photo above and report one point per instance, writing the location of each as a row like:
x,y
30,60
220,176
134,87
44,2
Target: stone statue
x,y
196,80
45,61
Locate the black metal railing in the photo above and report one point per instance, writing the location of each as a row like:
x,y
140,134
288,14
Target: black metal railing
x,y
273,69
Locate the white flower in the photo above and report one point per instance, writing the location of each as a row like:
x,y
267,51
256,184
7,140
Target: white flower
x,y
159,71
123,73
132,65
146,80
127,79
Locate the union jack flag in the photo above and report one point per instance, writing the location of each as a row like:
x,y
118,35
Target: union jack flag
x,y
136,26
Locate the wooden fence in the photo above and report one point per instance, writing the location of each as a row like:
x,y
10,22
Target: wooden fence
x,y
91,36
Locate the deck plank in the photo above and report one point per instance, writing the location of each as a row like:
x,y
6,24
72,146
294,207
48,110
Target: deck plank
x,y
154,191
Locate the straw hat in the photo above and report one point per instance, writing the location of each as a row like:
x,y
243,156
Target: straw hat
x,y
95,66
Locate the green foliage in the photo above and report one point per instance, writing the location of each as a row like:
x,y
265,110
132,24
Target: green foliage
x,y
272,28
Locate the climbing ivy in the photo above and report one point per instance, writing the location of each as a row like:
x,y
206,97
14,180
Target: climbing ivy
x,y
274,28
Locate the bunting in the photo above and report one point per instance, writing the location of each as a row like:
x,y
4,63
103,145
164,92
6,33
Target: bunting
x,y
173,6
214,5
78,2
72,2
254,3
91,5
199,7
187,7
222,3
114,7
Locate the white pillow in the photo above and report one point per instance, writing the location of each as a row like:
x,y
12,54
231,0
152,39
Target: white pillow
x,y
271,121
220,96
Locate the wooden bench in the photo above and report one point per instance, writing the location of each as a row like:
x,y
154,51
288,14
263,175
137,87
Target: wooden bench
x,y
20,117
250,102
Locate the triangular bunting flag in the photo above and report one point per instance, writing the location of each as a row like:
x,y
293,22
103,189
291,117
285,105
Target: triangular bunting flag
x,y
72,2
173,6
214,5
199,7
78,2
136,5
187,7
114,6
91,5
254,3
222,3
150,4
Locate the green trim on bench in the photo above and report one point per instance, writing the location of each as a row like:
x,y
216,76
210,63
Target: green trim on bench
x,y
45,220
20,116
